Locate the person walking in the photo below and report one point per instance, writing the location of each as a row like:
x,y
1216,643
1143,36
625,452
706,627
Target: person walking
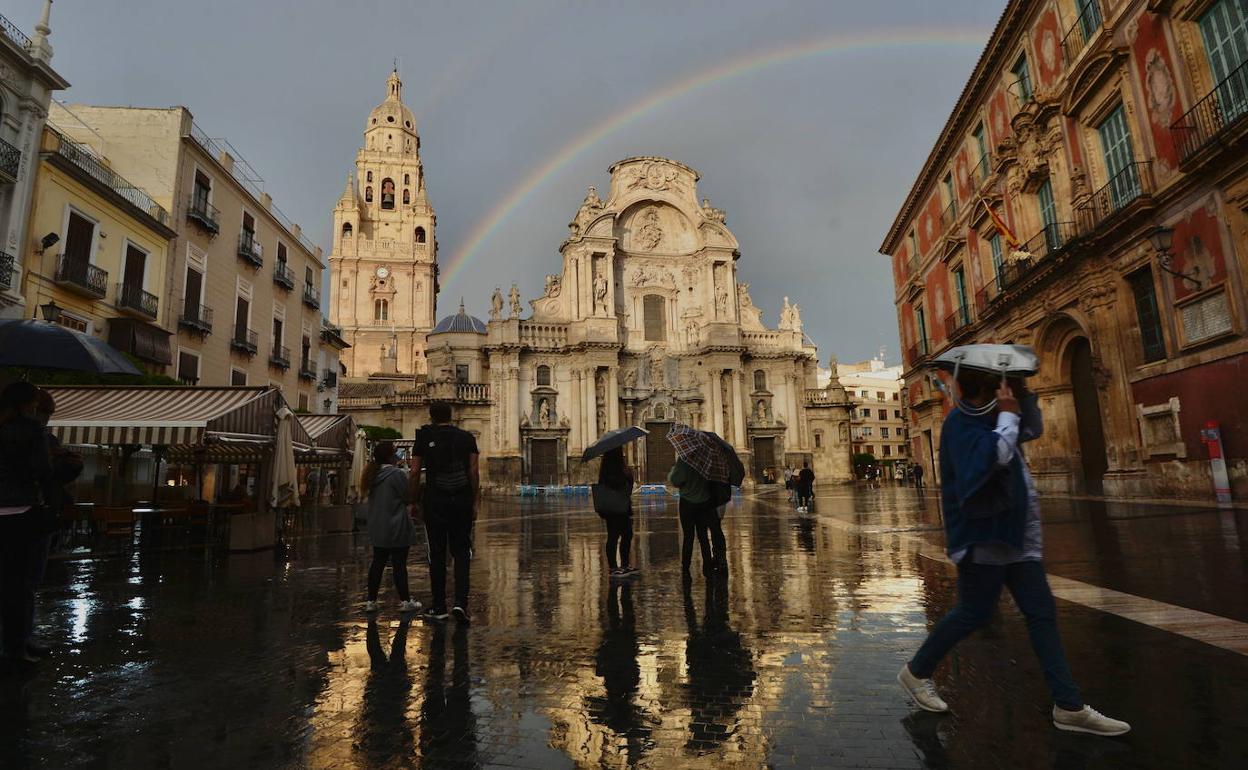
x,y
25,474
448,504
696,508
918,476
614,476
390,527
993,533
805,482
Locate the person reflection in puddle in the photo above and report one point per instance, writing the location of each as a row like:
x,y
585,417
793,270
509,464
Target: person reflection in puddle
x,y
448,727
720,666
385,736
616,663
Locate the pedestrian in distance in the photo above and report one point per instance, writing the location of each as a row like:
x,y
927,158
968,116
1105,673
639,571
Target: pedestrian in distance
x,y
25,473
390,528
614,504
917,472
993,534
696,509
447,502
790,484
805,482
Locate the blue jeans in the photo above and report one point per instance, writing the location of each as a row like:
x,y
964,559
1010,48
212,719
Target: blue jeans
x,y
979,587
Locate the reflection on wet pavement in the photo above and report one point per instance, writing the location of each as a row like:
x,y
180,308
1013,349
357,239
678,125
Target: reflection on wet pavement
x,y
192,658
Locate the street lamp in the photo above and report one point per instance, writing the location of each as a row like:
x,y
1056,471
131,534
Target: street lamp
x,y
1162,239
51,313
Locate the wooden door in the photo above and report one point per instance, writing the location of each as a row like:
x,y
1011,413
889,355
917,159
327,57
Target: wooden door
x,y
764,456
544,461
660,454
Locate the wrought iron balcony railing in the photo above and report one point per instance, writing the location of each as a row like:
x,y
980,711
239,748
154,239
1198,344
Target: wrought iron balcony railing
x,y
950,214
957,321
1132,183
196,319
306,370
13,33
203,213
283,276
330,380
244,340
1222,108
1085,26
131,297
250,250
10,161
280,357
84,159
982,169
81,275
332,334
6,270
917,352
1030,256
311,297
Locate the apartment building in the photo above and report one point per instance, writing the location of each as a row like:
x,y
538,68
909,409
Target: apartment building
x,y
877,422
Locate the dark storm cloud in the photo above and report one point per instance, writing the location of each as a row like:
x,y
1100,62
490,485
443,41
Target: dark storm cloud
x,y
810,158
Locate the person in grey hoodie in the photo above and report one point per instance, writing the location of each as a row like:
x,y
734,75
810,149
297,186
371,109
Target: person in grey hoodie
x,y
390,528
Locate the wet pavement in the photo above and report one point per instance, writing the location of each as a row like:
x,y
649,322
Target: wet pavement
x,y
185,656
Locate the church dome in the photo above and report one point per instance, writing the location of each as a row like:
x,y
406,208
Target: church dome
x,y
392,113
460,323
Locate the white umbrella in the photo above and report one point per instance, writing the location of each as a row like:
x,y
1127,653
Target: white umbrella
x,y
358,461
285,492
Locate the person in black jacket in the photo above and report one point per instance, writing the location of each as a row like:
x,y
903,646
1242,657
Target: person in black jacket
x,y
614,474
25,472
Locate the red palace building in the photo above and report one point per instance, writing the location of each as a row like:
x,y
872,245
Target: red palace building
x,y
1088,196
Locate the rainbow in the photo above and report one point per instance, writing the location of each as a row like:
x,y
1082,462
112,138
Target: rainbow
x,y
821,46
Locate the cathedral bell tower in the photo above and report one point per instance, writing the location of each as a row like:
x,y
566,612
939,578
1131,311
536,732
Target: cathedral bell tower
x,y
383,264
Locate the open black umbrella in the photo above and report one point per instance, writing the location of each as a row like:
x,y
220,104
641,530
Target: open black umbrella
x,y
612,439
45,345
736,470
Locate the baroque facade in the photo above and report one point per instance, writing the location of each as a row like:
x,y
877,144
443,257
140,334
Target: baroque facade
x,y
383,264
645,324
1109,137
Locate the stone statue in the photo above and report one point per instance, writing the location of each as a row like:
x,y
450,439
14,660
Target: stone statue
x,y
650,235
516,308
553,284
496,304
658,377
710,212
630,377
543,413
795,317
832,364
721,303
600,294
591,198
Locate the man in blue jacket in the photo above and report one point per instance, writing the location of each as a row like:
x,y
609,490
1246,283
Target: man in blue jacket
x,y
993,534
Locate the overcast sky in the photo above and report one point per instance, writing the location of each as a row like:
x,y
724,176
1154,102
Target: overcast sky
x,y
810,156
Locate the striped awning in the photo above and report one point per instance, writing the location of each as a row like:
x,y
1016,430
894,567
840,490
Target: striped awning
x,y
330,431
186,418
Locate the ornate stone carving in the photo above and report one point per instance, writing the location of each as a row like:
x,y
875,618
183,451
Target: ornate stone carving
x,y
651,234
554,284
651,175
496,304
516,307
710,212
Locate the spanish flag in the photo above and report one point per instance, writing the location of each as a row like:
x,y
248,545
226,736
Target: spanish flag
x,y
1002,227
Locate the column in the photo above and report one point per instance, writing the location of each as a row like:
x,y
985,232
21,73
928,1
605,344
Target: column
x,y
738,414
714,403
589,416
613,398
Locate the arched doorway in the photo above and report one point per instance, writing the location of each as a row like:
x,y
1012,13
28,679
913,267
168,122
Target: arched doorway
x,y
1087,416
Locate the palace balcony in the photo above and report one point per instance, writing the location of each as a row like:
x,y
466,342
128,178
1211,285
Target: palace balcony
x,y
244,341
1216,121
958,322
6,270
1081,31
917,353
1038,256
10,162
332,335
306,370
81,276
204,214
86,161
283,276
330,380
196,319
1129,191
982,170
138,302
250,250
543,336
311,297
460,392
279,357
949,216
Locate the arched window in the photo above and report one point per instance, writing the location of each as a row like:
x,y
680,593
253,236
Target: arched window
x,y
368,176
760,379
543,376
407,180
387,193
420,235
654,317
381,310
346,230
368,194
407,197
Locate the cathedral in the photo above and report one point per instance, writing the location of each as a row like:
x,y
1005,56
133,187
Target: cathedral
x,y
645,323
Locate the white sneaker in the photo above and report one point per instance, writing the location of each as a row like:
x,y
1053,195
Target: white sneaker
x,y
370,606
922,691
411,605
1088,720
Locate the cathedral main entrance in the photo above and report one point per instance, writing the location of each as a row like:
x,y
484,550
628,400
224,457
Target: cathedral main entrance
x,y
764,456
544,461
660,454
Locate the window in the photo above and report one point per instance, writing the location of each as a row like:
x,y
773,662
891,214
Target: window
x,y
368,194
883,431
896,414
406,196
818,440
277,333
896,396
1224,28
381,310
79,240
866,414
1089,16
307,276
951,196
249,224
193,293
920,320
879,395
1022,78
1048,215
368,176
888,451
959,296
407,180
387,193
760,380
305,350
238,377
188,367
242,315
461,373
1124,181
303,402
420,235
994,245
882,413
981,144
654,317
202,191
1146,311
135,268
346,229
543,376
281,251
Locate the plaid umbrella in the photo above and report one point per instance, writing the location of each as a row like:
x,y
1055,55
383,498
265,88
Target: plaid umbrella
x,y
700,452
